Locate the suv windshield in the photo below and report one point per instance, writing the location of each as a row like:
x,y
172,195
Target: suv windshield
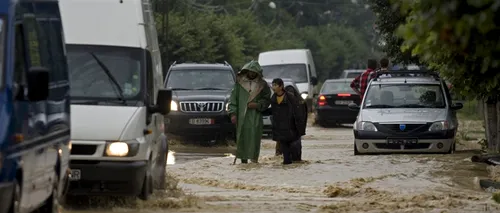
x,y
336,88
404,96
297,72
2,49
104,72
200,79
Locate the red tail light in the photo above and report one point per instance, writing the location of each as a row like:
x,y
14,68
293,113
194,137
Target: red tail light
x,y
344,95
322,100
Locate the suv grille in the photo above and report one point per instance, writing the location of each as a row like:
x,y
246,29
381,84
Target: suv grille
x,y
202,106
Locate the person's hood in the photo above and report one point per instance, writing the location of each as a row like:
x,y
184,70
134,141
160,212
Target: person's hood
x,y
252,66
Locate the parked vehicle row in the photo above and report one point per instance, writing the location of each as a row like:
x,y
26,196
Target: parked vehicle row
x,y
82,102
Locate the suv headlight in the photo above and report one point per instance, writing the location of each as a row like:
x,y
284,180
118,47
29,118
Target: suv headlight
x,y
367,126
303,95
173,106
440,126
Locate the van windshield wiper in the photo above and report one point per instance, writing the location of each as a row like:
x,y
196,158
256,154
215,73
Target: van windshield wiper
x,y
121,97
180,89
412,106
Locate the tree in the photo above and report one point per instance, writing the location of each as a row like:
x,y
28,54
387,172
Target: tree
x,y
459,39
389,18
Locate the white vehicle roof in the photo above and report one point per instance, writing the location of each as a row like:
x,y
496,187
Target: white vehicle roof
x,y
103,22
290,56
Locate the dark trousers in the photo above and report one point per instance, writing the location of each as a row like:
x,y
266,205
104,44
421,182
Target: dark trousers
x,y
296,150
285,148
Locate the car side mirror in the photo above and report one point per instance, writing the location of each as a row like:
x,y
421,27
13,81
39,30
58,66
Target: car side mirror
x,y
314,81
457,106
163,100
353,106
38,83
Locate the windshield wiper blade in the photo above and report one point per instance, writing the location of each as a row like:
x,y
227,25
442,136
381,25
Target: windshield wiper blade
x,y
121,97
380,106
412,106
210,88
179,89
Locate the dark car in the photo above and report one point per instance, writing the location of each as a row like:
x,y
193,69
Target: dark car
x,y
331,106
200,94
267,127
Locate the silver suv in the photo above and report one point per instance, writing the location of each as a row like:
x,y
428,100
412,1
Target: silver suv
x,y
407,112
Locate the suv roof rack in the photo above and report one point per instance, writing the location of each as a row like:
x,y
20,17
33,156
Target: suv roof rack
x,y
409,73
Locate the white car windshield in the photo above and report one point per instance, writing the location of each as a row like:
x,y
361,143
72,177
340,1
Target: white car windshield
x,y
404,96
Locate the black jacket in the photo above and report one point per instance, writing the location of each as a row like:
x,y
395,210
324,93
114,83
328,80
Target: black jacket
x,y
288,118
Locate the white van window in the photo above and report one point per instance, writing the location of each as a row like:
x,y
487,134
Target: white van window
x,y
297,72
89,80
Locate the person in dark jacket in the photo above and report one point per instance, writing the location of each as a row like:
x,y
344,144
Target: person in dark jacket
x,y
287,119
296,146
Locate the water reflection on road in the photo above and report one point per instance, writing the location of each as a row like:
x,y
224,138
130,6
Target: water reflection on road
x,y
331,179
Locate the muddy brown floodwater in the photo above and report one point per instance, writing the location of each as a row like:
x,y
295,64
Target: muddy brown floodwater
x,y
331,179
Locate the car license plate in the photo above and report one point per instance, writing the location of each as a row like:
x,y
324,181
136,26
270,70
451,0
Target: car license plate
x,y
402,141
201,121
343,102
75,175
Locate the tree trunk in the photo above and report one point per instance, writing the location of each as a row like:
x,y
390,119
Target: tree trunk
x,y
491,120
497,111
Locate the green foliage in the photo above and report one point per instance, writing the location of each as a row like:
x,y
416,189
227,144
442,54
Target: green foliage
x,y
389,18
458,38
338,33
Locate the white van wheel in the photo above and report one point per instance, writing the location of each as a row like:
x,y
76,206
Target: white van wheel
x,y
147,185
160,179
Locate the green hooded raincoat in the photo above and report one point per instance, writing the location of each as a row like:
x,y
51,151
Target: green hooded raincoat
x,y
249,121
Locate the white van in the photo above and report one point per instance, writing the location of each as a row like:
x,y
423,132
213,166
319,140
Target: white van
x,y
117,101
297,64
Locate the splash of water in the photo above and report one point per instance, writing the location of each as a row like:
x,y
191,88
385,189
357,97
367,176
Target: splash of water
x,y
171,158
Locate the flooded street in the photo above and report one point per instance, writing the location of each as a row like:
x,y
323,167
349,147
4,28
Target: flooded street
x,y
331,179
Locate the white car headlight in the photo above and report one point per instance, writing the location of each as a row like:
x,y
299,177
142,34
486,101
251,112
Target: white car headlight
x,y
303,95
367,126
227,107
173,106
439,126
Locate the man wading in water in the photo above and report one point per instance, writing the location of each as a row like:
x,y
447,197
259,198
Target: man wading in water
x,y
249,98
288,121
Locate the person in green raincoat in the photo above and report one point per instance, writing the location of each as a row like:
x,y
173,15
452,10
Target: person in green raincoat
x,y
250,97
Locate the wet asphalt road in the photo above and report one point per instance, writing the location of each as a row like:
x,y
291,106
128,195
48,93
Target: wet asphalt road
x,y
331,179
